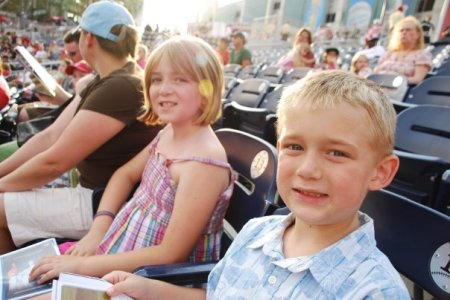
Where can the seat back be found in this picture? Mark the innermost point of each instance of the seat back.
(395, 86)
(230, 82)
(297, 74)
(255, 162)
(250, 92)
(434, 90)
(424, 129)
(415, 238)
(250, 71)
(231, 69)
(272, 73)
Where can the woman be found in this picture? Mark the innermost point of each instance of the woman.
(406, 54)
(97, 132)
(295, 58)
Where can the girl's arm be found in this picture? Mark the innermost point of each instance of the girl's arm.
(85, 133)
(117, 192)
(140, 288)
(199, 187)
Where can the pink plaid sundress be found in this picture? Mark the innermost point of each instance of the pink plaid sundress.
(143, 221)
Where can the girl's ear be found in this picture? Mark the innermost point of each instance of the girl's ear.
(384, 172)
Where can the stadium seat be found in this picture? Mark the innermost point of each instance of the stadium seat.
(230, 82)
(272, 73)
(255, 161)
(258, 121)
(296, 74)
(231, 69)
(395, 86)
(423, 146)
(434, 90)
(250, 92)
(250, 71)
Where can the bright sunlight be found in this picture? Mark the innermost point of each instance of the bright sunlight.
(173, 14)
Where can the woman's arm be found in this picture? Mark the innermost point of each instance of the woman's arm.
(420, 71)
(41, 141)
(199, 187)
(85, 133)
(117, 192)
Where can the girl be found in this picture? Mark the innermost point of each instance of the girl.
(183, 173)
(303, 56)
(360, 65)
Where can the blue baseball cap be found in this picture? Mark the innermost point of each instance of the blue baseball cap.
(100, 17)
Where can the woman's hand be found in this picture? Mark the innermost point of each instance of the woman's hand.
(50, 267)
(87, 245)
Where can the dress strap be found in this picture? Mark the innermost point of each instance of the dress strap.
(204, 160)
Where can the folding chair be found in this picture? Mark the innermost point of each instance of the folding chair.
(415, 238)
(258, 121)
(296, 74)
(423, 146)
(272, 73)
(230, 82)
(395, 86)
(434, 90)
(250, 71)
(231, 69)
(250, 92)
(255, 161)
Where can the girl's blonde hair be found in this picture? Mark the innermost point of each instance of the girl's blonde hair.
(394, 42)
(326, 89)
(355, 59)
(198, 59)
(300, 31)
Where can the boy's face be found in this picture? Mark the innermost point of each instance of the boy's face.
(326, 164)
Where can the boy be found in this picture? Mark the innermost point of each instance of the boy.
(335, 143)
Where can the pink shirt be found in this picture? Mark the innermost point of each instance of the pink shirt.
(403, 62)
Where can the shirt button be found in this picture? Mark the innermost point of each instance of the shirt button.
(272, 280)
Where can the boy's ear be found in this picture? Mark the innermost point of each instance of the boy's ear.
(385, 172)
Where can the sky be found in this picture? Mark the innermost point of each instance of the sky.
(172, 14)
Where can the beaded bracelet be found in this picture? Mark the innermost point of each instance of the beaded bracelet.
(104, 213)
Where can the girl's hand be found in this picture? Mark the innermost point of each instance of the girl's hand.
(134, 286)
(86, 246)
(50, 267)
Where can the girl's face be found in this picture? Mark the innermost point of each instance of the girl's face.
(361, 63)
(302, 38)
(175, 96)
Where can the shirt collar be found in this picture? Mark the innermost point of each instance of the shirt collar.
(348, 253)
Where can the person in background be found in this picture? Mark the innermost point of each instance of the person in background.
(427, 28)
(406, 54)
(181, 174)
(97, 133)
(285, 31)
(142, 56)
(296, 57)
(78, 70)
(325, 248)
(71, 47)
(394, 17)
(239, 54)
(372, 49)
(223, 51)
(330, 59)
(360, 65)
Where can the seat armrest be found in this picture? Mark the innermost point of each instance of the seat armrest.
(180, 274)
(400, 106)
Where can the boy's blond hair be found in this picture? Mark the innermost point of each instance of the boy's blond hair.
(326, 89)
(197, 59)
